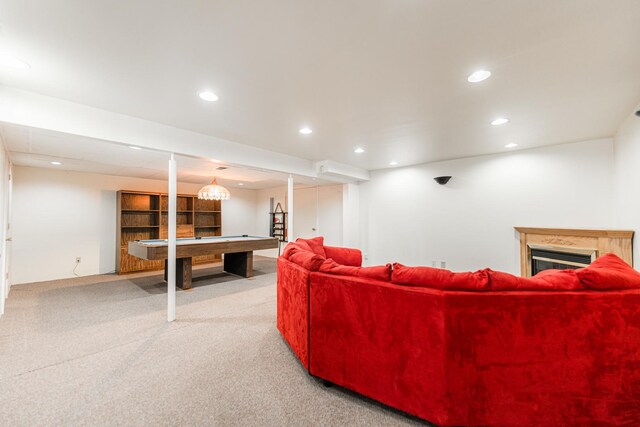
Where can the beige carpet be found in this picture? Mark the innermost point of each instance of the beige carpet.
(98, 351)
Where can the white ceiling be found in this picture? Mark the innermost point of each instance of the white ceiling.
(388, 75)
(38, 148)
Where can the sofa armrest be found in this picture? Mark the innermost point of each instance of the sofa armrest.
(293, 307)
(535, 358)
(344, 256)
(381, 340)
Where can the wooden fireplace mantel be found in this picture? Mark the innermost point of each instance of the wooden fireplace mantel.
(619, 242)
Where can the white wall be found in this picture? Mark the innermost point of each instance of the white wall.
(262, 213)
(59, 215)
(627, 180)
(351, 215)
(317, 207)
(400, 215)
(407, 217)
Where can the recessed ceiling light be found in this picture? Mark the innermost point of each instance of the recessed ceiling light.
(10, 61)
(56, 163)
(479, 76)
(305, 131)
(511, 145)
(208, 96)
(393, 163)
(133, 147)
(240, 183)
(500, 121)
(359, 150)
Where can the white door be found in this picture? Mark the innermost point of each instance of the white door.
(6, 270)
(318, 212)
(5, 231)
(305, 209)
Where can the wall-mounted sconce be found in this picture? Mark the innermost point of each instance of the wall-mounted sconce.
(442, 180)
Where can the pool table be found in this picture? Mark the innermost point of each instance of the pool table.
(237, 250)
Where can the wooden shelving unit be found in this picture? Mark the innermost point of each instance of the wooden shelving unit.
(278, 223)
(143, 216)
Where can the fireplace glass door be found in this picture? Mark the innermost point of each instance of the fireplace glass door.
(545, 259)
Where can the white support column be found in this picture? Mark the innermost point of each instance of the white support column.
(290, 237)
(171, 257)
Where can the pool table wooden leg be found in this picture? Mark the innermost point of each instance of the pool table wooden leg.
(240, 263)
(183, 272)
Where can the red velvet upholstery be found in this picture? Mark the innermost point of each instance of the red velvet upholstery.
(293, 294)
(609, 272)
(316, 244)
(548, 357)
(292, 248)
(378, 272)
(481, 358)
(439, 278)
(543, 358)
(293, 307)
(566, 280)
(344, 256)
(300, 253)
(307, 260)
(380, 340)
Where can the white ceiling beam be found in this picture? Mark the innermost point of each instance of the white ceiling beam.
(39, 111)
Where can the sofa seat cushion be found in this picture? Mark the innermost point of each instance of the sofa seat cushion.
(547, 280)
(316, 245)
(609, 272)
(378, 272)
(438, 278)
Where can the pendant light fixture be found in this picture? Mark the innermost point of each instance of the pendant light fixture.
(214, 191)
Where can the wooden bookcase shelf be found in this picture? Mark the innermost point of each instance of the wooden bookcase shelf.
(278, 221)
(142, 216)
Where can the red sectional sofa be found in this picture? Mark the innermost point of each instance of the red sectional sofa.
(482, 348)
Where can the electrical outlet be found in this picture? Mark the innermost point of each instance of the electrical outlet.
(443, 264)
(78, 259)
(433, 263)
(366, 256)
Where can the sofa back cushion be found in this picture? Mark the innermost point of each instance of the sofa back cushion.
(378, 272)
(292, 248)
(547, 280)
(300, 253)
(316, 245)
(438, 278)
(609, 272)
(306, 259)
(344, 256)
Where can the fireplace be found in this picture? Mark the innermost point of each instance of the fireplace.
(545, 248)
(544, 257)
